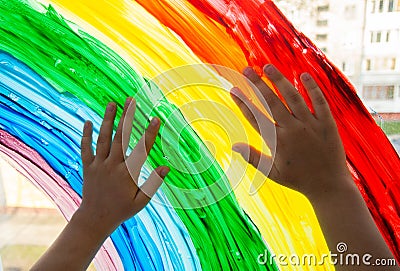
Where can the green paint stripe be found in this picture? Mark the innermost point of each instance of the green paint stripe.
(78, 64)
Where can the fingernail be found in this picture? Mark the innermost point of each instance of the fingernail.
(164, 172)
(87, 124)
(110, 107)
(247, 71)
(306, 77)
(269, 69)
(154, 121)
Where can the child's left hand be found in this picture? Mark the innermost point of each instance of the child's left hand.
(110, 189)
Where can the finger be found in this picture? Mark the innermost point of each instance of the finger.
(254, 157)
(291, 95)
(106, 129)
(263, 125)
(150, 187)
(318, 100)
(86, 144)
(139, 154)
(278, 110)
(127, 126)
(117, 151)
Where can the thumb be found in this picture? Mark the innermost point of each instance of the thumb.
(257, 159)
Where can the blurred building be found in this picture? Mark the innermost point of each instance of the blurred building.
(362, 38)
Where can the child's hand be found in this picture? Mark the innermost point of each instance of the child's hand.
(310, 159)
(110, 189)
(309, 154)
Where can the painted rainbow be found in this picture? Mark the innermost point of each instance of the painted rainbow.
(61, 61)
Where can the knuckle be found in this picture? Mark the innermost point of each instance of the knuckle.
(278, 79)
(106, 122)
(150, 136)
(295, 97)
(320, 100)
(85, 141)
(259, 84)
(270, 98)
(151, 131)
(102, 139)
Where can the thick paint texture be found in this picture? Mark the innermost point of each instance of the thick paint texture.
(29, 163)
(46, 120)
(83, 74)
(276, 216)
(207, 38)
(268, 37)
(76, 64)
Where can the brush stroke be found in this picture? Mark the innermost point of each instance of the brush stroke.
(266, 36)
(46, 120)
(31, 165)
(274, 209)
(94, 74)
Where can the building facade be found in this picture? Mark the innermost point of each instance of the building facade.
(362, 38)
(380, 75)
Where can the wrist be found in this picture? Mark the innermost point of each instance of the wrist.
(334, 190)
(91, 224)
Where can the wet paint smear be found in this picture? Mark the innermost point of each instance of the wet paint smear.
(80, 67)
(30, 164)
(157, 52)
(266, 36)
(45, 120)
(229, 33)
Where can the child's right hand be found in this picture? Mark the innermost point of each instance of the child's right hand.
(309, 156)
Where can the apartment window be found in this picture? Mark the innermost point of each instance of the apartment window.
(322, 22)
(348, 67)
(392, 64)
(373, 6)
(378, 92)
(384, 64)
(350, 12)
(390, 92)
(376, 36)
(368, 65)
(381, 64)
(388, 64)
(391, 6)
(322, 37)
(381, 36)
(381, 5)
(385, 5)
(323, 8)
